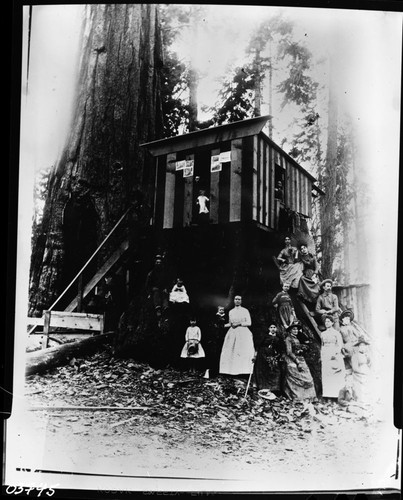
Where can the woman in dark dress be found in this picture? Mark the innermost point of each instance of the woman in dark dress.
(298, 382)
(308, 288)
(214, 341)
(289, 265)
(284, 307)
(268, 364)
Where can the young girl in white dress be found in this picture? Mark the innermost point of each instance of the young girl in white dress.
(193, 350)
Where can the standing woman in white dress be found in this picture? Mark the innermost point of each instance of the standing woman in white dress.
(238, 349)
(333, 370)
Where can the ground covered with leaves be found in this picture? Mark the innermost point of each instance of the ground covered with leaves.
(172, 421)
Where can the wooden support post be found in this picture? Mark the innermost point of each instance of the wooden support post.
(188, 197)
(235, 181)
(46, 328)
(80, 293)
(254, 176)
(169, 199)
(214, 191)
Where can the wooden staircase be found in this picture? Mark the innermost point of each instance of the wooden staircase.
(68, 317)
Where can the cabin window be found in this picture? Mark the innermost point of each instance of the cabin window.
(279, 183)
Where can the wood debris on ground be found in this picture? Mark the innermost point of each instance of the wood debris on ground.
(176, 401)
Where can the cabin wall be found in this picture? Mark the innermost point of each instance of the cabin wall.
(228, 190)
(297, 186)
(243, 190)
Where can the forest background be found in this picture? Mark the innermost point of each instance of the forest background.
(329, 78)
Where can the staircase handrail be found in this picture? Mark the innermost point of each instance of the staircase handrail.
(107, 237)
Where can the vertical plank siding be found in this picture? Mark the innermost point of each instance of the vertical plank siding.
(169, 198)
(179, 198)
(243, 190)
(224, 200)
(255, 181)
(214, 191)
(266, 157)
(247, 179)
(298, 189)
(160, 191)
(259, 180)
(304, 195)
(288, 191)
(272, 216)
(262, 182)
(187, 196)
(356, 297)
(235, 180)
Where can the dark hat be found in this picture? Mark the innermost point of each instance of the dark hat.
(293, 325)
(347, 312)
(361, 340)
(328, 280)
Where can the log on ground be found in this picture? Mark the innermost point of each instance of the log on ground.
(46, 359)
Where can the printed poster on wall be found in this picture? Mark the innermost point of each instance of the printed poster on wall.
(225, 156)
(188, 171)
(215, 165)
(180, 165)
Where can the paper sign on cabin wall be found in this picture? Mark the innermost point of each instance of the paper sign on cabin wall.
(225, 156)
(215, 165)
(180, 165)
(188, 171)
(190, 163)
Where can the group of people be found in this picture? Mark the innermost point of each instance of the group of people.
(345, 355)
(276, 363)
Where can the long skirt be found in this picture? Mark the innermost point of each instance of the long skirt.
(287, 314)
(298, 384)
(360, 378)
(237, 352)
(333, 372)
(308, 290)
(291, 273)
(267, 373)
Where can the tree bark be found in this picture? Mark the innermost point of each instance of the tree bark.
(116, 109)
(328, 201)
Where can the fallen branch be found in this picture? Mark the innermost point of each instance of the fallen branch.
(89, 408)
(123, 421)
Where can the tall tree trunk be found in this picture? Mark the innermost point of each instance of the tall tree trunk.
(270, 90)
(116, 109)
(258, 87)
(193, 112)
(359, 227)
(328, 201)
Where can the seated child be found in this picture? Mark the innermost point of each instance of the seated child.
(178, 293)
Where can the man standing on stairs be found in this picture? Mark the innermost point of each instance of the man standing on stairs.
(157, 287)
(328, 304)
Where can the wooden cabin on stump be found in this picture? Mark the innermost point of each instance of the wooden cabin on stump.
(246, 176)
(256, 195)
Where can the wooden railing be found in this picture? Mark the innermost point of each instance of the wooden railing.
(356, 297)
(83, 290)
